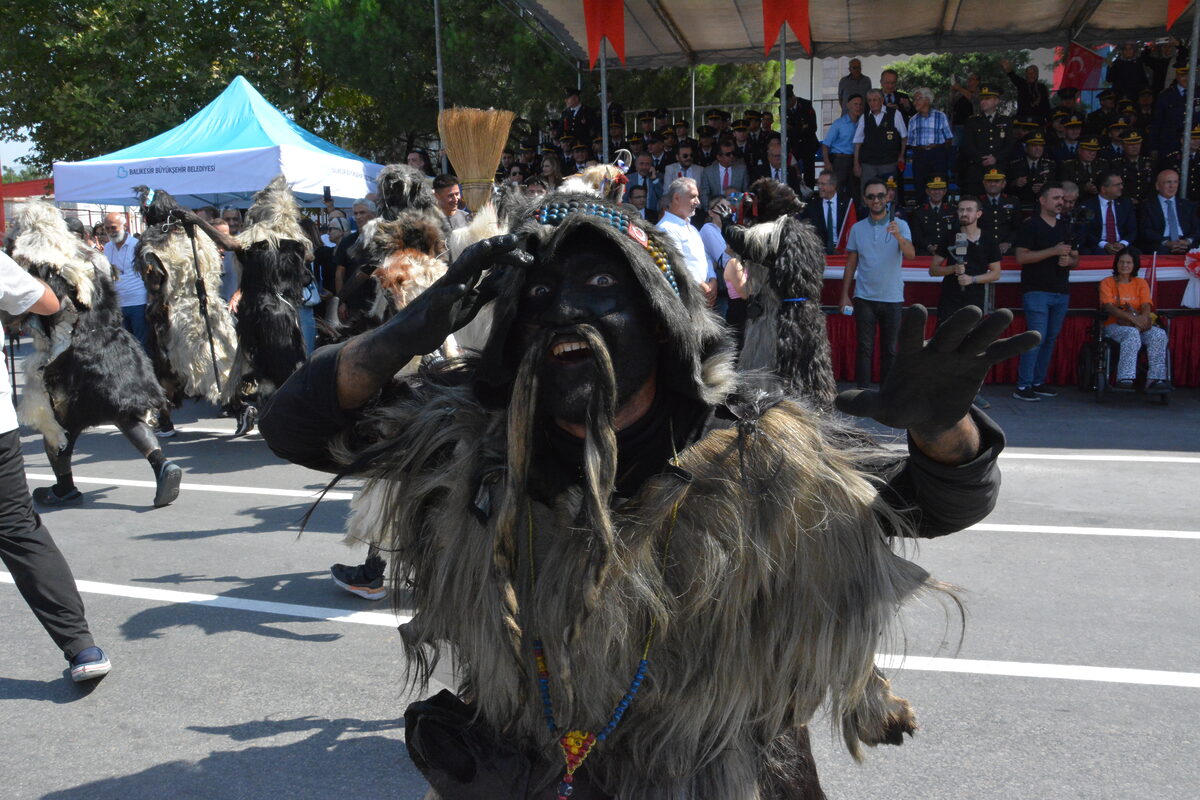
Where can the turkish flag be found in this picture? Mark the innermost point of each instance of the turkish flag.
(604, 19)
(847, 223)
(1082, 68)
(794, 13)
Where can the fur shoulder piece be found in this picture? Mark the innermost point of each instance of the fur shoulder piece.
(275, 217)
(484, 225)
(42, 238)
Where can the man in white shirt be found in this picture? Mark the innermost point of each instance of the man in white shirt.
(29, 554)
(681, 200)
(131, 289)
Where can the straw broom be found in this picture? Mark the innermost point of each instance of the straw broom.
(474, 139)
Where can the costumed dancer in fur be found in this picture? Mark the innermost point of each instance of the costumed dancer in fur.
(650, 572)
(786, 332)
(86, 369)
(274, 253)
(188, 323)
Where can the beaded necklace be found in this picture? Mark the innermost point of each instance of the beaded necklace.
(577, 745)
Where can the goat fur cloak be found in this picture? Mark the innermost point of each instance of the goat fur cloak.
(179, 338)
(776, 587)
(275, 254)
(86, 369)
(786, 332)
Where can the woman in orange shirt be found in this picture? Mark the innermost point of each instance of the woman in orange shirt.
(1126, 299)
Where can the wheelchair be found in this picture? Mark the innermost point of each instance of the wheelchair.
(1097, 366)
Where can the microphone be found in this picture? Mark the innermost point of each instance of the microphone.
(960, 253)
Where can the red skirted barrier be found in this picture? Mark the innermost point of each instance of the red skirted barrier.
(1167, 275)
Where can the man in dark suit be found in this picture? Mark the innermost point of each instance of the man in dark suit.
(772, 167)
(1112, 224)
(802, 132)
(577, 122)
(645, 175)
(827, 210)
(1167, 223)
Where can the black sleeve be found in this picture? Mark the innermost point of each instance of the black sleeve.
(941, 499)
(303, 416)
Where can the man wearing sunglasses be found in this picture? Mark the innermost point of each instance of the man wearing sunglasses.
(875, 251)
(722, 177)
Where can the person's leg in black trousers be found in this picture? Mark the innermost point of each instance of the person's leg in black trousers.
(889, 335)
(864, 329)
(34, 561)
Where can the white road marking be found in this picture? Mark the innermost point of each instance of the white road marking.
(1019, 669)
(310, 494)
(995, 527)
(237, 603)
(1118, 457)
(1016, 669)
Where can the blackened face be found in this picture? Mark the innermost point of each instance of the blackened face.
(591, 285)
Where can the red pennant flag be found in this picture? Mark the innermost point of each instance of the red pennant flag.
(1175, 9)
(1082, 68)
(794, 13)
(847, 223)
(605, 19)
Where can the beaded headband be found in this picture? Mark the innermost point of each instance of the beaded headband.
(555, 213)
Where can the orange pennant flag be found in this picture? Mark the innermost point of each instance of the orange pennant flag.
(794, 13)
(605, 19)
(1175, 9)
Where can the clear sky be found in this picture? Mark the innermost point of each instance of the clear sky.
(11, 151)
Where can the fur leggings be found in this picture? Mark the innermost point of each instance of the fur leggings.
(1130, 340)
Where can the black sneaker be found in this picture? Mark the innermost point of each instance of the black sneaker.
(364, 580)
(1042, 390)
(165, 429)
(167, 489)
(247, 418)
(48, 496)
(89, 664)
(1027, 394)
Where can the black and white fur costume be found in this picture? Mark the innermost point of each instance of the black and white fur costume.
(274, 257)
(86, 369)
(178, 333)
(785, 591)
(786, 331)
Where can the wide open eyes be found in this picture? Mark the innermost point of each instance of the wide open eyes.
(602, 279)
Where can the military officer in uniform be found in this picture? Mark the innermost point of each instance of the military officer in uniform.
(1115, 147)
(1098, 121)
(1135, 169)
(1083, 169)
(743, 150)
(1172, 161)
(1068, 148)
(935, 220)
(1001, 213)
(986, 141)
(577, 121)
(1029, 172)
(706, 148)
(1166, 128)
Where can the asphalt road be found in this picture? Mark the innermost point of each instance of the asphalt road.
(241, 671)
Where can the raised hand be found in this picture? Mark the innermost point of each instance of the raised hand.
(931, 385)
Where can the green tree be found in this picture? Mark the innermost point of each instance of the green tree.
(938, 72)
(23, 174)
(85, 78)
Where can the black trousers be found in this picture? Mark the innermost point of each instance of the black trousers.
(34, 561)
(868, 314)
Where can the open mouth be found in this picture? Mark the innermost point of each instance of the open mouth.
(569, 350)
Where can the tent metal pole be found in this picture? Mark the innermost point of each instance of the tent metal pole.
(692, 115)
(437, 49)
(1188, 121)
(604, 97)
(783, 103)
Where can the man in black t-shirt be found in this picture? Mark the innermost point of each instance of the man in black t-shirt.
(1046, 253)
(970, 261)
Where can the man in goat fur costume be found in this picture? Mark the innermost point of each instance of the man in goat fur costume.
(274, 253)
(86, 369)
(183, 335)
(785, 264)
(599, 497)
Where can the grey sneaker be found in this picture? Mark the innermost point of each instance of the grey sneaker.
(89, 664)
(169, 478)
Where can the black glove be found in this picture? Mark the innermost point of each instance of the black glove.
(931, 385)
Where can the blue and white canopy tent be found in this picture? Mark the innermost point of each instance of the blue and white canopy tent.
(221, 156)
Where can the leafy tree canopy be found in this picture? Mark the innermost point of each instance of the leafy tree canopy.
(939, 71)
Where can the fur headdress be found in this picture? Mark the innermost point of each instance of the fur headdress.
(699, 361)
(43, 239)
(402, 187)
(275, 217)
